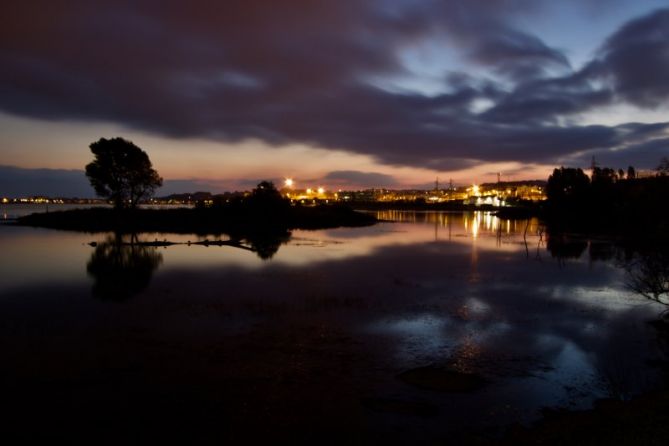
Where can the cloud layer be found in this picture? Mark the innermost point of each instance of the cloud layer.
(300, 73)
(17, 182)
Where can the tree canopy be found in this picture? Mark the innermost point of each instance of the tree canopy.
(265, 193)
(267, 200)
(566, 184)
(122, 172)
(663, 167)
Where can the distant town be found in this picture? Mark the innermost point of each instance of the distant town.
(497, 194)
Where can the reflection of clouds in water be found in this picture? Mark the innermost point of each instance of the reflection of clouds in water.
(613, 299)
(539, 346)
(571, 367)
(418, 337)
(476, 307)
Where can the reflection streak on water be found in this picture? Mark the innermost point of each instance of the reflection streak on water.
(473, 223)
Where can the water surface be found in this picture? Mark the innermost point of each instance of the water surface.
(311, 336)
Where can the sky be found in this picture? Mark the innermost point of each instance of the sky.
(339, 94)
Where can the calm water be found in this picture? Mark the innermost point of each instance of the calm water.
(311, 336)
(12, 211)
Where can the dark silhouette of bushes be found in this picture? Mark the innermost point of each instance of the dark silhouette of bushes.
(568, 187)
(607, 201)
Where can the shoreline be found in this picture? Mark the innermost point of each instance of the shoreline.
(198, 221)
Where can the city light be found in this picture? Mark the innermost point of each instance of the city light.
(486, 194)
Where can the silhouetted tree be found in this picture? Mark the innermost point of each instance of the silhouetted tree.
(122, 172)
(631, 173)
(266, 197)
(663, 168)
(567, 184)
(266, 192)
(603, 176)
(604, 202)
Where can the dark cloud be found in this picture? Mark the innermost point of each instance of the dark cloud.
(482, 30)
(646, 155)
(636, 59)
(517, 54)
(636, 132)
(297, 73)
(354, 178)
(545, 101)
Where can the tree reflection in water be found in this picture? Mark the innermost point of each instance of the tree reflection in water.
(122, 269)
(563, 247)
(265, 245)
(647, 267)
(648, 274)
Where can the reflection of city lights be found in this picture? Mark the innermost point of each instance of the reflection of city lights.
(288, 182)
(489, 222)
(475, 227)
(321, 190)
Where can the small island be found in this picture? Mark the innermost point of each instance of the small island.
(122, 172)
(231, 218)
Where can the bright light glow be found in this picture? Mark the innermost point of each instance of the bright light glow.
(309, 191)
(288, 182)
(476, 223)
(320, 190)
(475, 190)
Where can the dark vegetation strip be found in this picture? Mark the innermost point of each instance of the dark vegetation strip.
(199, 220)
